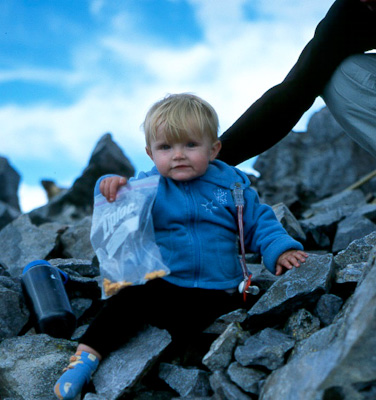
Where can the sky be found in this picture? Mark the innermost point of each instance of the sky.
(73, 70)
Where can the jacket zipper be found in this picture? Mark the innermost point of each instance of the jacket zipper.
(193, 230)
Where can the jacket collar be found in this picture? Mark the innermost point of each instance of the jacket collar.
(221, 174)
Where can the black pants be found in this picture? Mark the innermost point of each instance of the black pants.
(184, 312)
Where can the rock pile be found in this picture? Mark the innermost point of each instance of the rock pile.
(308, 166)
(309, 335)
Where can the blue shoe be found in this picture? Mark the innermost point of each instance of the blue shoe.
(76, 375)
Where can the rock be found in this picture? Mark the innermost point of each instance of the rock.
(319, 318)
(4, 270)
(80, 306)
(328, 307)
(83, 267)
(351, 273)
(320, 229)
(51, 188)
(305, 167)
(22, 242)
(248, 379)
(163, 395)
(80, 286)
(302, 324)
(127, 365)
(181, 398)
(350, 229)
(7, 214)
(344, 203)
(335, 359)
(221, 351)
(366, 211)
(93, 396)
(252, 258)
(79, 332)
(76, 240)
(267, 349)
(297, 288)
(224, 389)
(186, 382)
(261, 277)
(178, 398)
(13, 313)
(329, 220)
(30, 366)
(9, 182)
(222, 323)
(10, 283)
(235, 316)
(357, 251)
(59, 209)
(289, 222)
(106, 158)
(316, 342)
(77, 202)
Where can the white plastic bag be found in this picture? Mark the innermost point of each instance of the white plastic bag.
(123, 238)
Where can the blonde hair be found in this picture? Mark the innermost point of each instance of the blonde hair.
(182, 115)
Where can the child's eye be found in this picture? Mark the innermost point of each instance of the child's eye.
(192, 144)
(164, 147)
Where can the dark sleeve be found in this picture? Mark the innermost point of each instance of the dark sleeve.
(348, 28)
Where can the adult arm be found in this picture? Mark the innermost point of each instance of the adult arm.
(349, 27)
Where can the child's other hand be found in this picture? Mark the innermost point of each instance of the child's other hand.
(110, 186)
(290, 259)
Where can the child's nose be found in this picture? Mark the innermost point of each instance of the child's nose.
(178, 153)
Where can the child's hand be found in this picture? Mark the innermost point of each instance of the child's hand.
(110, 186)
(290, 259)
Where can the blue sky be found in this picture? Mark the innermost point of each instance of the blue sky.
(72, 70)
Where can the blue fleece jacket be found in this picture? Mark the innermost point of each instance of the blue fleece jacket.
(196, 230)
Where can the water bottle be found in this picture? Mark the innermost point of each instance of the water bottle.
(47, 299)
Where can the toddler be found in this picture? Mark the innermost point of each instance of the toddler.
(195, 226)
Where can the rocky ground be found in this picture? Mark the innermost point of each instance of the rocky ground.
(309, 335)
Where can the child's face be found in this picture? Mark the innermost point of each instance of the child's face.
(182, 160)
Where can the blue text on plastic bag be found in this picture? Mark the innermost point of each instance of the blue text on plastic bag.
(123, 237)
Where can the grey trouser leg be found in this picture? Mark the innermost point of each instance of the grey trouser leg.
(351, 97)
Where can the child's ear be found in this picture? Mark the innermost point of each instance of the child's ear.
(216, 147)
(148, 152)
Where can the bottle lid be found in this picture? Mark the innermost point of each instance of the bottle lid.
(32, 264)
(35, 263)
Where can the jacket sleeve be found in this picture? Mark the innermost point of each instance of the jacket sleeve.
(263, 233)
(349, 27)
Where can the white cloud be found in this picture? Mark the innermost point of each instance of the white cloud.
(42, 75)
(31, 197)
(119, 75)
(296, 11)
(96, 6)
(45, 131)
